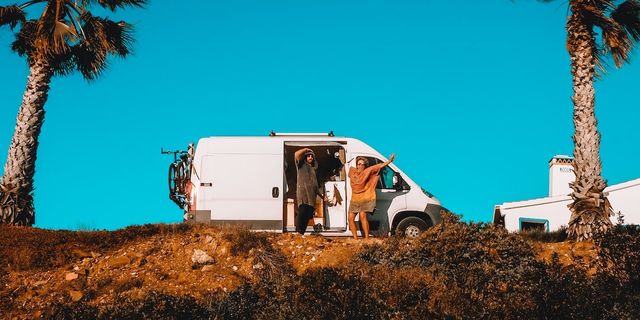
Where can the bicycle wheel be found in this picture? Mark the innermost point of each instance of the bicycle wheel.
(181, 178)
(172, 181)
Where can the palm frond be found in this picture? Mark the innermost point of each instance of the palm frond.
(627, 14)
(54, 35)
(11, 15)
(25, 38)
(615, 40)
(62, 63)
(115, 4)
(120, 36)
(593, 15)
(91, 54)
(601, 64)
(69, 37)
(602, 5)
(114, 37)
(89, 60)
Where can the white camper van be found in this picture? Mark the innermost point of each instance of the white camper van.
(252, 181)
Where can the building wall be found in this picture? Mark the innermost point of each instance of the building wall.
(555, 210)
(560, 174)
(625, 200)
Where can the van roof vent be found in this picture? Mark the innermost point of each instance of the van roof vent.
(310, 134)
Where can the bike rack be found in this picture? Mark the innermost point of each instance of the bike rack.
(177, 186)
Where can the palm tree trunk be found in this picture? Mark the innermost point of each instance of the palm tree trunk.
(16, 188)
(590, 210)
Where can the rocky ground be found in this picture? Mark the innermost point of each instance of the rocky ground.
(42, 268)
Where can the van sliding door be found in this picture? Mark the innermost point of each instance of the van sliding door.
(331, 212)
(244, 189)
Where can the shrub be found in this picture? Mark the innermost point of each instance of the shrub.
(544, 236)
(620, 253)
(242, 240)
(486, 270)
(332, 293)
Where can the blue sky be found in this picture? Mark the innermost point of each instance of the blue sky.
(472, 96)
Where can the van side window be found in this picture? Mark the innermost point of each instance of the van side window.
(385, 180)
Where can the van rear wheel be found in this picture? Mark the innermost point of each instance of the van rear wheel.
(412, 227)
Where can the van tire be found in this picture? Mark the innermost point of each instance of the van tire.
(412, 227)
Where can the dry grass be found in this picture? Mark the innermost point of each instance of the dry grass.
(455, 270)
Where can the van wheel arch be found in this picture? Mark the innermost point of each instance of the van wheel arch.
(403, 218)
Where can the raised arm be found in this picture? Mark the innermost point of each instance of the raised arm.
(391, 158)
(298, 154)
(379, 166)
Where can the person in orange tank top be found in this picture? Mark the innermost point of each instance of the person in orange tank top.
(363, 181)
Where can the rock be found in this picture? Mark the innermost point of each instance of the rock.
(28, 295)
(207, 268)
(81, 253)
(201, 257)
(75, 295)
(71, 276)
(258, 266)
(235, 268)
(134, 255)
(39, 283)
(118, 262)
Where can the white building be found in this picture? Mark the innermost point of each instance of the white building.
(552, 212)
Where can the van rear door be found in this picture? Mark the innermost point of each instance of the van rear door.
(244, 188)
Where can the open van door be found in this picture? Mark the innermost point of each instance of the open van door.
(244, 189)
(331, 211)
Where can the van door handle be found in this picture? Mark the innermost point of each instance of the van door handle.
(275, 192)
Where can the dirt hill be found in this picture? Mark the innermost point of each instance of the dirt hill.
(43, 269)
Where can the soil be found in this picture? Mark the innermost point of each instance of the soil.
(46, 267)
(42, 268)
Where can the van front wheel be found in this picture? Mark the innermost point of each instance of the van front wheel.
(412, 227)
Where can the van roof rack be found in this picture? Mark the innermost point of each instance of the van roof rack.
(311, 134)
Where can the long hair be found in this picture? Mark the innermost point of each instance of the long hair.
(364, 159)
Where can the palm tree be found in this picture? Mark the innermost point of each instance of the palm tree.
(619, 24)
(64, 37)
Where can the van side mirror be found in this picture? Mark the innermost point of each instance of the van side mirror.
(398, 182)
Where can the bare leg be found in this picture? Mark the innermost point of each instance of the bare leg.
(352, 225)
(364, 222)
